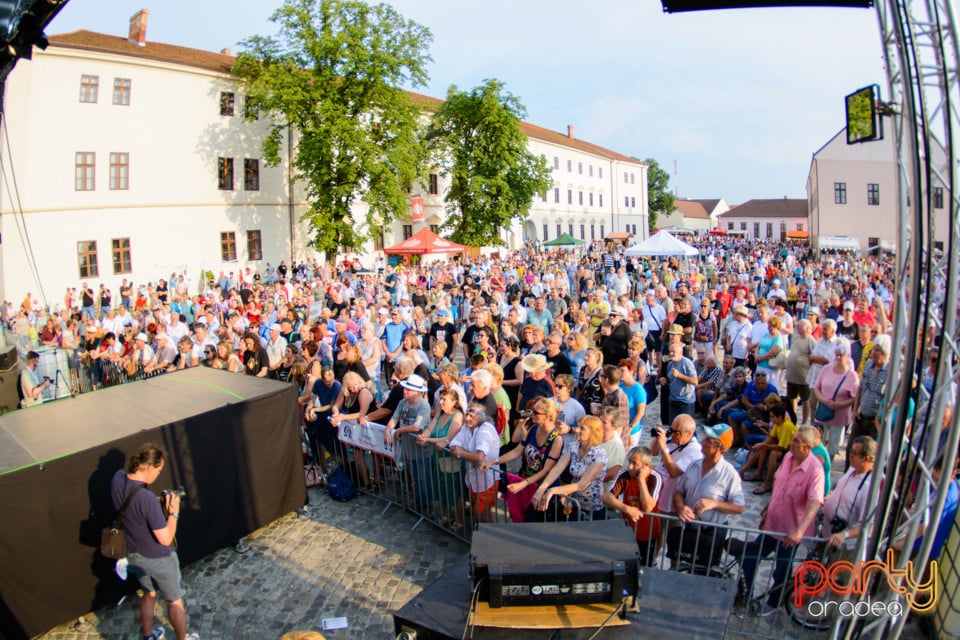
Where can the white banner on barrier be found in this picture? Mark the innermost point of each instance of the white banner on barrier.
(368, 435)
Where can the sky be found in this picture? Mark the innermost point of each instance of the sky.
(737, 100)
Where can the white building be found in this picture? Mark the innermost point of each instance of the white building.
(853, 192)
(774, 219)
(129, 159)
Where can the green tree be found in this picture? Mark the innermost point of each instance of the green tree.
(658, 192)
(332, 75)
(476, 139)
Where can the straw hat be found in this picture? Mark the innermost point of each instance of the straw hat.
(535, 362)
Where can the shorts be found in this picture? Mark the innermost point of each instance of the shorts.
(484, 500)
(158, 574)
(795, 390)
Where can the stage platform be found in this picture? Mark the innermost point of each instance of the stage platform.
(672, 606)
(232, 440)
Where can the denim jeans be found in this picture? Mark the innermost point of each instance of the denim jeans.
(749, 554)
(678, 408)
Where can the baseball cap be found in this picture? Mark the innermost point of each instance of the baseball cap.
(721, 432)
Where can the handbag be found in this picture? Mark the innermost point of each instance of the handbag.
(448, 464)
(313, 475)
(113, 542)
(825, 413)
(779, 361)
(517, 503)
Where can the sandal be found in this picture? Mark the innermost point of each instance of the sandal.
(762, 489)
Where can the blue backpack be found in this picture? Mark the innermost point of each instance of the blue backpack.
(341, 487)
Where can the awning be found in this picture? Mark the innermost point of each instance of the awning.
(422, 242)
(717, 231)
(798, 233)
(618, 235)
(842, 243)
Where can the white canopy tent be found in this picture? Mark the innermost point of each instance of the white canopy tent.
(661, 244)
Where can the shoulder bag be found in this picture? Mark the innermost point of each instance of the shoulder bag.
(825, 413)
(113, 542)
(779, 361)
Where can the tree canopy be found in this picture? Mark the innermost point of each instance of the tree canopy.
(658, 192)
(332, 75)
(476, 139)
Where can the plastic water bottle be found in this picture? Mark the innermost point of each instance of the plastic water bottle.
(742, 457)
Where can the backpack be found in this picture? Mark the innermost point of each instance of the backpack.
(341, 487)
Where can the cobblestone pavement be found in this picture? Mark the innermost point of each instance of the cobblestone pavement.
(349, 560)
(340, 560)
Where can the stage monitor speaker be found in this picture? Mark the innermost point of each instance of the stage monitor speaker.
(9, 398)
(554, 563)
(8, 358)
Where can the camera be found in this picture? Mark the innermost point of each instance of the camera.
(838, 524)
(180, 492)
(654, 432)
(48, 379)
(525, 414)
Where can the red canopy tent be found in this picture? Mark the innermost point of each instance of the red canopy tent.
(717, 231)
(424, 241)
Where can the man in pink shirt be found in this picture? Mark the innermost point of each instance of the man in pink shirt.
(796, 499)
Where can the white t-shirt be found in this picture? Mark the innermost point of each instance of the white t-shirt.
(484, 438)
(683, 457)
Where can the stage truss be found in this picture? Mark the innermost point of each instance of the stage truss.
(920, 48)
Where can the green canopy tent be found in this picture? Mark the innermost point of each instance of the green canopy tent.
(564, 240)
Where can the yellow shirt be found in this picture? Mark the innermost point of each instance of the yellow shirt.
(601, 307)
(784, 432)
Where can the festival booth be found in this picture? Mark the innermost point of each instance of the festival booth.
(838, 243)
(564, 241)
(424, 242)
(662, 244)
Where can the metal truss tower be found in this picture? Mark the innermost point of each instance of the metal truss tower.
(922, 422)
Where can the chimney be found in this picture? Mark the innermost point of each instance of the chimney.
(570, 131)
(226, 51)
(138, 28)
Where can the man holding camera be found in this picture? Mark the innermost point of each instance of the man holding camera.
(149, 529)
(683, 450)
(31, 385)
(846, 507)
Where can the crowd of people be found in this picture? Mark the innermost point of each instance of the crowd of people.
(549, 359)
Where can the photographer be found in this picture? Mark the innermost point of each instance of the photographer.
(846, 507)
(149, 536)
(31, 385)
(676, 457)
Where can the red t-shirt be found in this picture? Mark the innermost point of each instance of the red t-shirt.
(647, 528)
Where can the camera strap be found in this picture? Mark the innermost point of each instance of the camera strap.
(123, 509)
(853, 504)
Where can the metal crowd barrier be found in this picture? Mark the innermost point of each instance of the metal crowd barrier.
(428, 482)
(431, 484)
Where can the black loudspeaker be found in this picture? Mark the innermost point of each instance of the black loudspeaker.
(9, 399)
(560, 563)
(8, 358)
